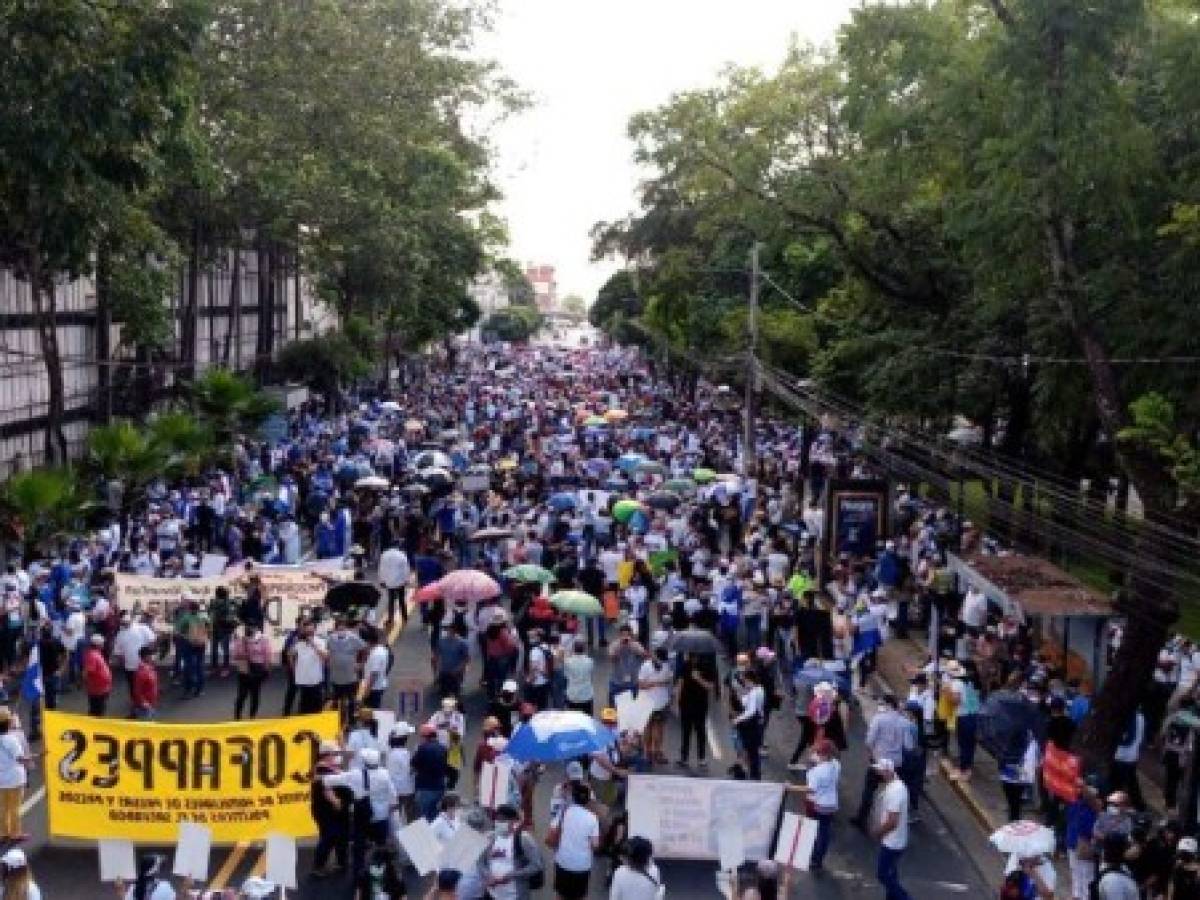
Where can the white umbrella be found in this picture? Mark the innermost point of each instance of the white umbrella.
(374, 482)
(390, 406)
(1024, 838)
(432, 459)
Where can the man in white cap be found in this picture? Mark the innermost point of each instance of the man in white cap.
(375, 799)
(890, 827)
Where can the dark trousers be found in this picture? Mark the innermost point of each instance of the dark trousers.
(289, 695)
(824, 838)
(538, 695)
(1174, 777)
(870, 785)
(312, 698)
(331, 838)
(751, 734)
(248, 689)
(965, 728)
(97, 704)
(887, 871)
(396, 603)
(692, 723)
(808, 731)
(1014, 792)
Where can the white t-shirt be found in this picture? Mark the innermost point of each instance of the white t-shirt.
(579, 828)
(399, 766)
(375, 670)
(660, 677)
(502, 861)
(12, 772)
(162, 891)
(538, 665)
(309, 667)
(894, 799)
(630, 884)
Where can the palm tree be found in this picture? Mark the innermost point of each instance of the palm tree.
(41, 506)
(229, 404)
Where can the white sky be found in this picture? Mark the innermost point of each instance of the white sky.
(590, 64)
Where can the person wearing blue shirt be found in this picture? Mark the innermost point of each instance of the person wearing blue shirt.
(1081, 822)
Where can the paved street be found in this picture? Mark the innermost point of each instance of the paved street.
(937, 865)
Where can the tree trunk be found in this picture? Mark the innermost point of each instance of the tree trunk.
(45, 309)
(104, 360)
(191, 311)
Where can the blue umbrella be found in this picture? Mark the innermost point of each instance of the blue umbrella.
(599, 466)
(630, 461)
(638, 523)
(616, 484)
(560, 502)
(558, 735)
(643, 433)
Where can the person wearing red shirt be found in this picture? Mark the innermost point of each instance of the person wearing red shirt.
(145, 685)
(97, 676)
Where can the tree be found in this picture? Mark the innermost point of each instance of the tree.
(88, 102)
(228, 405)
(515, 324)
(40, 507)
(575, 307)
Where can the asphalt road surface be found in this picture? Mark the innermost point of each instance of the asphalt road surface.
(937, 865)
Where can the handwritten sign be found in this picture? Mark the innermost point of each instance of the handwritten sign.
(683, 816)
(797, 836)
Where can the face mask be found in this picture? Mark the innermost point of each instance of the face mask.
(1114, 810)
(377, 871)
(503, 829)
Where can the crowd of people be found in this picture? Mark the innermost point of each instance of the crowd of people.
(586, 471)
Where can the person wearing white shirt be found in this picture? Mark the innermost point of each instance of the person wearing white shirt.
(821, 788)
(399, 768)
(308, 658)
(447, 823)
(371, 783)
(638, 877)
(579, 838)
(394, 573)
(375, 671)
(891, 827)
(749, 722)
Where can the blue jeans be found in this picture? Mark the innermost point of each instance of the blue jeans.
(965, 727)
(824, 837)
(427, 803)
(193, 668)
(889, 877)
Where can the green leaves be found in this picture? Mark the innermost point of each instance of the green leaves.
(514, 323)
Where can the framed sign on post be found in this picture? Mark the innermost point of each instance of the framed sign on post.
(856, 516)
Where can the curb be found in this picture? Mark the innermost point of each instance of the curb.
(967, 796)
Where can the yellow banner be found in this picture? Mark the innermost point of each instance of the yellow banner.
(113, 778)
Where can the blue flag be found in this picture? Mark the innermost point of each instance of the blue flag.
(32, 688)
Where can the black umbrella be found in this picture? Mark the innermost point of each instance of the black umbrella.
(694, 640)
(663, 500)
(350, 594)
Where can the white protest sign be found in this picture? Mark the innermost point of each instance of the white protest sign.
(683, 816)
(116, 860)
(192, 851)
(463, 850)
(422, 847)
(796, 838)
(213, 565)
(493, 784)
(281, 860)
(731, 849)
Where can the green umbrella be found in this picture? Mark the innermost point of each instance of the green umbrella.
(528, 572)
(595, 421)
(623, 510)
(651, 467)
(578, 603)
(679, 485)
(703, 476)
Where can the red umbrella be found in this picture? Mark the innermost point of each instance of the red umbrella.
(470, 585)
(429, 593)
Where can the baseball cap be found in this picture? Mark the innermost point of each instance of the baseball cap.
(509, 686)
(1185, 845)
(884, 765)
(14, 859)
(326, 747)
(574, 771)
(402, 729)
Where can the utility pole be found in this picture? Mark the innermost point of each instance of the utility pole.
(749, 451)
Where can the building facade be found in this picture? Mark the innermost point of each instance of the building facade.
(220, 312)
(545, 287)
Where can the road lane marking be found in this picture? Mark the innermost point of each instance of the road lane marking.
(34, 799)
(231, 863)
(714, 746)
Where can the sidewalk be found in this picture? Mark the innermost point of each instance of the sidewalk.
(982, 795)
